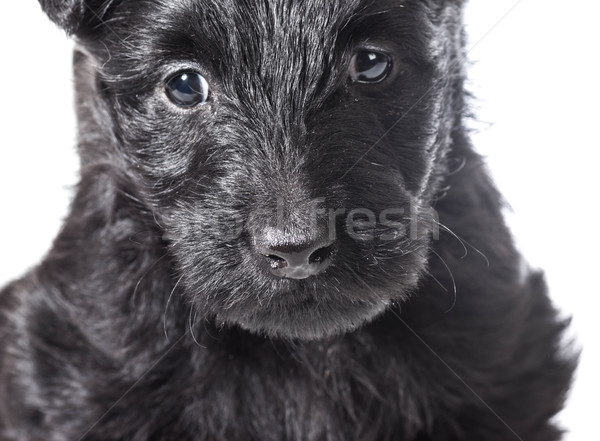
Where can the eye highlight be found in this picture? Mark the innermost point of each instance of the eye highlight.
(187, 89)
(370, 66)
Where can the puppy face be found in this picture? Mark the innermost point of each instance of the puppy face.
(289, 150)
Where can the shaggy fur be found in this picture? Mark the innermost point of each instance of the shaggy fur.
(155, 316)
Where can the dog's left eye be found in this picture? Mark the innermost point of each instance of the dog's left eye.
(187, 89)
(369, 66)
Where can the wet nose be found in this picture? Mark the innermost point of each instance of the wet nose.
(298, 258)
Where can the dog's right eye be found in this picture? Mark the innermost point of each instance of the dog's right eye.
(370, 66)
(187, 89)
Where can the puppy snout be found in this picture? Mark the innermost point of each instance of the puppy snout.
(296, 257)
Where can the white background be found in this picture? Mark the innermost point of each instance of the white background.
(535, 76)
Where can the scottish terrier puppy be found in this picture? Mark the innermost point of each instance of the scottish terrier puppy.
(281, 232)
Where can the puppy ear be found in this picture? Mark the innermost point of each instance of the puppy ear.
(75, 16)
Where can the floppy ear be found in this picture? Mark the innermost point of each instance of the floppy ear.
(75, 16)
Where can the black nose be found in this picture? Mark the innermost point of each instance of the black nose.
(297, 259)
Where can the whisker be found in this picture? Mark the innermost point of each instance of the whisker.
(167, 307)
(463, 242)
(191, 324)
(146, 272)
(454, 290)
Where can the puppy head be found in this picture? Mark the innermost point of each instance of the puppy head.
(289, 150)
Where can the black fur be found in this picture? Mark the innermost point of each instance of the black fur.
(155, 318)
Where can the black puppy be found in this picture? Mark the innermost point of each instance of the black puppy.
(281, 233)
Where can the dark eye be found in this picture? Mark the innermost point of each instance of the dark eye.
(369, 66)
(187, 89)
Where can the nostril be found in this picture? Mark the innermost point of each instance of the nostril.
(276, 262)
(296, 259)
(320, 255)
